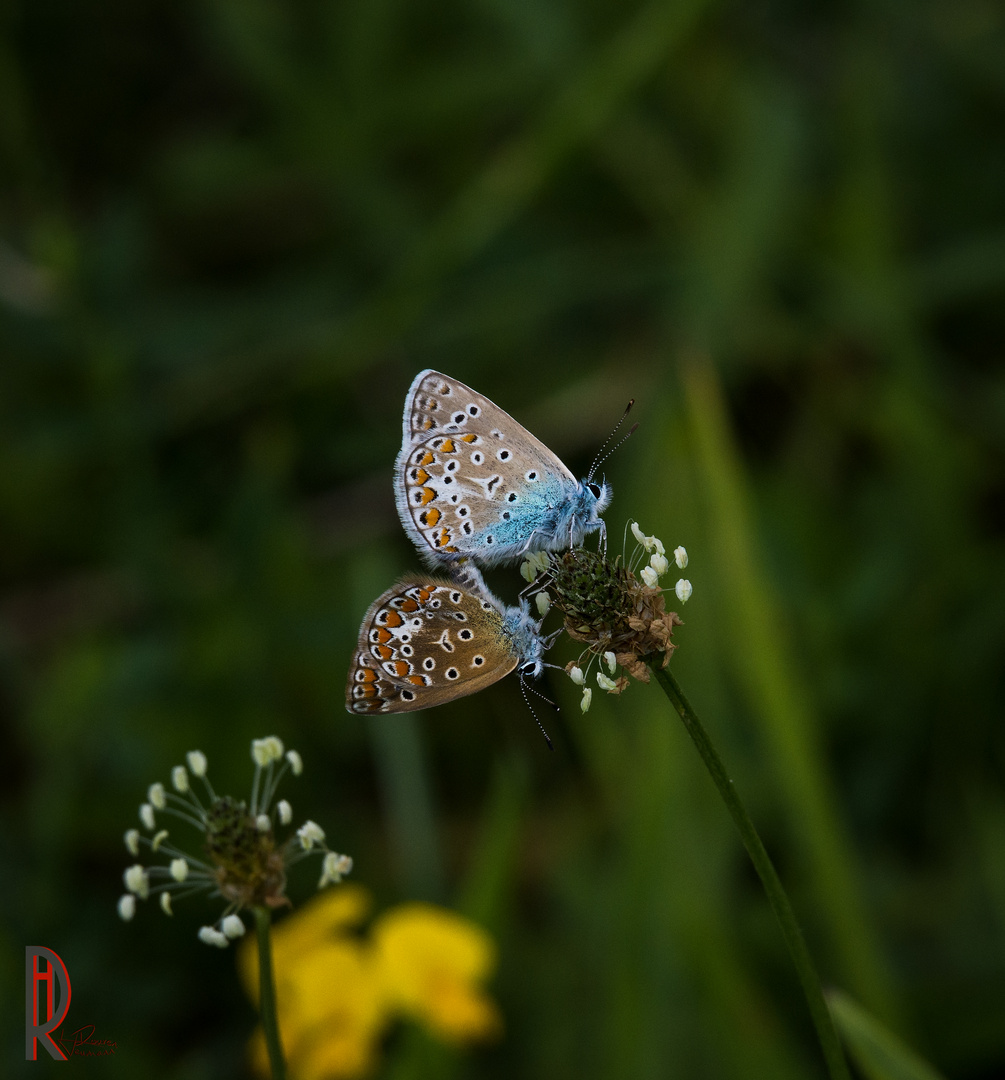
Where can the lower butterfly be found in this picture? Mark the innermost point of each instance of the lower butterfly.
(426, 641)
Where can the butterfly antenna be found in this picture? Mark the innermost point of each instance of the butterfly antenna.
(526, 700)
(601, 456)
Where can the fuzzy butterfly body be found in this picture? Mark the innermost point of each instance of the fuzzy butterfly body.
(472, 483)
(427, 641)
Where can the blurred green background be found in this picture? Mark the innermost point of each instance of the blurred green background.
(232, 231)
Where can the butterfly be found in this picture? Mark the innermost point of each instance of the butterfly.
(472, 483)
(426, 641)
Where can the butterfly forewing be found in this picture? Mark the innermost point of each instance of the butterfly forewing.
(471, 481)
(425, 642)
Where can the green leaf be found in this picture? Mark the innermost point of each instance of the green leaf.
(875, 1050)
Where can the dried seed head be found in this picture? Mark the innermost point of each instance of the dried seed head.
(610, 610)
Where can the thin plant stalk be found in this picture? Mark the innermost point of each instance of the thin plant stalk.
(267, 993)
(826, 1032)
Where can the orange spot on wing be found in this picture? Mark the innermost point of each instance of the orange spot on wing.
(393, 619)
(468, 438)
(421, 476)
(427, 459)
(427, 496)
(427, 424)
(408, 605)
(385, 652)
(424, 594)
(450, 549)
(369, 675)
(384, 635)
(417, 680)
(447, 446)
(369, 691)
(402, 667)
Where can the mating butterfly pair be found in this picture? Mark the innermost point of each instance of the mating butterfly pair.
(472, 486)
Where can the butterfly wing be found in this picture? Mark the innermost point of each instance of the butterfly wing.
(424, 642)
(472, 482)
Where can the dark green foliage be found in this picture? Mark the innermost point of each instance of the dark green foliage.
(232, 231)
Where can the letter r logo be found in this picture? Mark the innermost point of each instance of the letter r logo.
(56, 972)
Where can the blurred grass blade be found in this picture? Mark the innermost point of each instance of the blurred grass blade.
(875, 1050)
(586, 103)
(768, 679)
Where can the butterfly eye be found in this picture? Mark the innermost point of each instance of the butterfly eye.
(595, 490)
(452, 673)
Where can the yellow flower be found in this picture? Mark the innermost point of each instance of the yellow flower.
(331, 1004)
(432, 962)
(336, 992)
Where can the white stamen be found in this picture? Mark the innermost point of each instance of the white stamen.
(285, 812)
(179, 778)
(232, 925)
(127, 906)
(147, 816)
(296, 762)
(132, 839)
(155, 796)
(196, 762)
(179, 869)
(166, 903)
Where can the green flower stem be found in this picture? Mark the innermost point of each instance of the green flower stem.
(267, 993)
(826, 1032)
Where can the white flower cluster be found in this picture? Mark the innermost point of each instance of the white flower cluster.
(659, 564)
(198, 874)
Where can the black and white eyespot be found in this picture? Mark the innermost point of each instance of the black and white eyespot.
(360, 674)
(448, 479)
(452, 673)
(445, 389)
(467, 528)
(486, 606)
(595, 490)
(490, 539)
(496, 434)
(463, 511)
(460, 418)
(446, 644)
(429, 664)
(453, 466)
(404, 636)
(456, 597)
(492, 483)
(533, 476)
(454, 498)
(417, 497)
(512, 497)
(473, 410)
(416, 622)
(434, 603)
(465, 635)
(477, 661)
(477, 458)
(506, 515)
(407, 695)
(460, 616)
(407, 650)
(504, 455)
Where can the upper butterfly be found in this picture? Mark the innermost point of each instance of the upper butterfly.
(470, 482)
